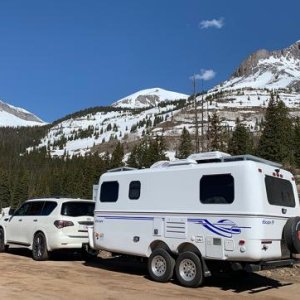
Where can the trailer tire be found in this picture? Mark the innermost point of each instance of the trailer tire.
(291, 234)
(161, 265)
(189, 270)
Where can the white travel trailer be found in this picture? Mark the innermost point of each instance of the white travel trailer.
(193, 216)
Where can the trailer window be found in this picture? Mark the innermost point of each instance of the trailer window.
(279, 191)
(217, 189)
(134, 190)
(109, 191)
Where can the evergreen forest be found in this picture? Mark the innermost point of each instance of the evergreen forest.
(29, 174)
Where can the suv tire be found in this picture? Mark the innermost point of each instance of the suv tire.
(39, 247)
(3, 247)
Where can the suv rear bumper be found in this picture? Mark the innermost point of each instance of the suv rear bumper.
(62, 241)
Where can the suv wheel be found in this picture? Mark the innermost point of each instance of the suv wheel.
(3, 247)
(39, 247)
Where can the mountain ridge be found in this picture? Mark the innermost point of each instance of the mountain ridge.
(15, 116)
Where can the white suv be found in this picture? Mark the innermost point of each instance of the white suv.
(43, 225)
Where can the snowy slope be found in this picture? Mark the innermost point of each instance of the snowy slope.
(148, 98)
(76, 136)
(245, 95)
(15, 116)
(272, 70)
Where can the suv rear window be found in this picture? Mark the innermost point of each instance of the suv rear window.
(77, 209)
(279, 191)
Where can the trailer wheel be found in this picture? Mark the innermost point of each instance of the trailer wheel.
(161, 265)
(189, 270)
(291, 234)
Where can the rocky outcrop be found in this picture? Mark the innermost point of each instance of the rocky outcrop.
(249, 65)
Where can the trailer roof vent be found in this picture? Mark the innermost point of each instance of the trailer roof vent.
(122, 169)
(214, 156)
(179, 162)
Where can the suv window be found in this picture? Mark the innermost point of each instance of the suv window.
(134, 190)
(109, 191)
(77, 209)
(22, 211)
(217, 189)
(279, 191)
(35, 208)
(48, 208)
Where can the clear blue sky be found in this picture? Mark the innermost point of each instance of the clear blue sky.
(60, 56)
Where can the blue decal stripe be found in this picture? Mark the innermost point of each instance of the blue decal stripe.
(224, 227)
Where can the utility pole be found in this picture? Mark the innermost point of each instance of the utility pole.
(197, 150)
(202, 121)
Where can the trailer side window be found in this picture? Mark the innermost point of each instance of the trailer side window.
(217, 189)
(279, 191)
(134, 190)
(109, 191)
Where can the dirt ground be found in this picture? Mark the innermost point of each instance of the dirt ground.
(69, 277)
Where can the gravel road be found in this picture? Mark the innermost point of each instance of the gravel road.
(68, 277)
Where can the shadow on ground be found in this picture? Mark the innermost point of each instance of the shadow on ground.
(55, 256)
(251, 283)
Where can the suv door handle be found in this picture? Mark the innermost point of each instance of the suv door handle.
(35, 220)
(20, 220)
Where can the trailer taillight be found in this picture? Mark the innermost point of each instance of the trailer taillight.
(241, 242)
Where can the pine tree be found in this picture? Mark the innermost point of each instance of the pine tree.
(296, 144)
(117, 156)
(241, 141)
(147, 152)
(276, 139)
(4, 189)
(216, 134)
(185, 148)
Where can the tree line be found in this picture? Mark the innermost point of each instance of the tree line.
(25, 175)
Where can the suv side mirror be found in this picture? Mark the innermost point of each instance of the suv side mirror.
(11, 211)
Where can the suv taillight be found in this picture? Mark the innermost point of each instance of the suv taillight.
(62, 223)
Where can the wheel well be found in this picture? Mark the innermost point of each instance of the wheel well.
(158, 244)
(188, 247)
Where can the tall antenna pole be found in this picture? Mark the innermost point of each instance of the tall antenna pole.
(196, 117)
(202, 121)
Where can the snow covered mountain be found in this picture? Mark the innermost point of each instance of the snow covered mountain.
(245, 95)
(12, 116)
(148, 98)
(278, 69)
(15, 116)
